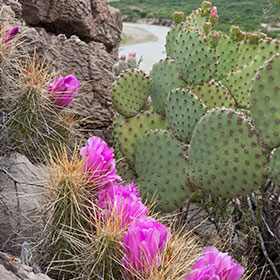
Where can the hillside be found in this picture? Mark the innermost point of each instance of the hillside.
(248, 14)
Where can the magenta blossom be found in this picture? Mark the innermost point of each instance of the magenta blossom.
(215, 265)
(99, 162)
(63, 90)
(10, 34)
(121, 204)
(214, 16)
(143, 242)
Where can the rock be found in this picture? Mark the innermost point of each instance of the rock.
(90, 20)
(21, 201)
(74, 36)
(12, 269)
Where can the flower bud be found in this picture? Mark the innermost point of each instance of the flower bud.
(214, 16)
(10, 34)
(178, 17)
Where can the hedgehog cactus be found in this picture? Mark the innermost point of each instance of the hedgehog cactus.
(220, 94)
(37, 119)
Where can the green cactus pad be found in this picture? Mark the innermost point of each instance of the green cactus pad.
(264, 101)
(170, 38)
(196, 61)
(226, 157)
(183, 110)
(247, 52)
(161, 165)
(164, 77)
(130, 92)
(274, 167)
(214, 95)
(229, 51)
(132, 129)
(115, 132)
(196, 20)
(239, 82)
(126, 173)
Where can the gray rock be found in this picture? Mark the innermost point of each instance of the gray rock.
(21, 200)
(12, 269)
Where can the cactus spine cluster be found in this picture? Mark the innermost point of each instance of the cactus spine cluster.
(220, 95)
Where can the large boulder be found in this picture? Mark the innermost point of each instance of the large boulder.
(75, 36)
(22, 196)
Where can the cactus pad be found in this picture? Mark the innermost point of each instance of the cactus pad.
(183, 110)
(214, 95)
(170, 38)
(239, 82)
(161, 165)
(247, 52)
(196, 61)
(226, 157)
(228, 51)
(126, 173)
(164, 77)
(274, 167)
(130, 92)
(132, 129)
(115, 132)
(196, 19)
(264, 101)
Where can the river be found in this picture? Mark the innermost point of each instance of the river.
(151, 51)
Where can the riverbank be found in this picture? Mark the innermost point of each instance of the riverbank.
(150, 41)
(134, 35)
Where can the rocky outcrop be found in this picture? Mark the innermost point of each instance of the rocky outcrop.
(90, 20)
(22, 196)
(75, 36)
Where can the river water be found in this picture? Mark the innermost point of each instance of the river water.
(152, 51)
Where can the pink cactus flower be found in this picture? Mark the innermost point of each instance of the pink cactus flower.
(132, 54)
(100, 163)
(123, 57)
(215, 265)
(214, 16)
(10, 34)
(63, 90)
(121, 204)
(144, 240)
(214, 12)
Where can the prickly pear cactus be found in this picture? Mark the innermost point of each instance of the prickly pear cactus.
(226, 154)
(229, 52)
(130, 92)
(164, 78)
(183, 110)
(247, 51)
(117, 121)
(196, 61)
(264, 100)
(170, 38)
(274, 167)
(196, 19)
(132, 129)
(161, 165)
(239, 81)
(214, 95)
(126, 173)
